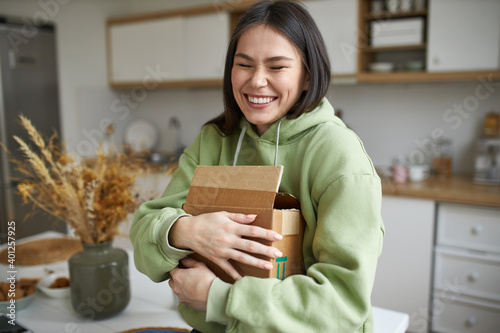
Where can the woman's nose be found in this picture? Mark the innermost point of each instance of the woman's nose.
(259, 77)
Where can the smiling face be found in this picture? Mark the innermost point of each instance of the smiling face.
(268, 76)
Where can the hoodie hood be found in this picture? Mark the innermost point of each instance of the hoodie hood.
(291, 128)
(285, 130)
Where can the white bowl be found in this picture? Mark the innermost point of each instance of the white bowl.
(46, 281)
(381, 66)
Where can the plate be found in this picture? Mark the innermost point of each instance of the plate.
(141, 136)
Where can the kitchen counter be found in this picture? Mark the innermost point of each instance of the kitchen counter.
(456, 189)
(152, 304)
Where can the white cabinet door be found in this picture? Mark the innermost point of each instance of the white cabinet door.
(141, 47)
(206, 41)
(337, 21)
(463, 35)
(403, 280)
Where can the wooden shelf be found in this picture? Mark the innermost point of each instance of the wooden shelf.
(394, 48)
(388, 15)
(170, 84)
(408, 77)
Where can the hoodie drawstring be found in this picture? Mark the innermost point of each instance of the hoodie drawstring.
(240, 140)
(277, 142)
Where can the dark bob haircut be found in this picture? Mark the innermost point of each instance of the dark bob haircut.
(292, 20)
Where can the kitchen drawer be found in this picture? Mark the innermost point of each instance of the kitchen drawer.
(470, 227)
(466, 273)
(460, 315)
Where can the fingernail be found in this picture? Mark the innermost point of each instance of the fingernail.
(252, 216)
(278, 254)
(278, 237)
(268, 266)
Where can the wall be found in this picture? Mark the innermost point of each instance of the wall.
(390, 118)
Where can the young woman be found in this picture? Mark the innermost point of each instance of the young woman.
(276, 76)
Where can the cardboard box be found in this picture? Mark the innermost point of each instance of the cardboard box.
(399, 32)
(251, 190)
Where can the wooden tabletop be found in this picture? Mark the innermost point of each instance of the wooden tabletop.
(456, 189)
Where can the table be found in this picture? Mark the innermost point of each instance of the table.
(152, 304)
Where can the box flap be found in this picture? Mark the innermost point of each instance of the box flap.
(234, 186)
(213, 196)
(257, 178)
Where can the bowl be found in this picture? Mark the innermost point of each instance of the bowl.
(55, 292)
(414, 66)
(381, 66)
(21, 303)
(24, 287)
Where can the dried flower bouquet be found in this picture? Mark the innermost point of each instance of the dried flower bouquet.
(93, 198)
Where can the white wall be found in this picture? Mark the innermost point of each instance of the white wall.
(391, 119)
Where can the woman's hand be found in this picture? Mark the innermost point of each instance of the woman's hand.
(219, 237)
(192, 283)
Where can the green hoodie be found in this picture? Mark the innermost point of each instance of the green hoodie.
(328, 170)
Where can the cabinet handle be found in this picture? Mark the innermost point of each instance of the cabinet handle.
(476, 230)
(471, 321)
(473, 277)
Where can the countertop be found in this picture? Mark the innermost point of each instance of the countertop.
(152, 304)
(456, 189)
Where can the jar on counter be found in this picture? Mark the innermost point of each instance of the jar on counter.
(491, 126)
(442, 161)
(399, 169)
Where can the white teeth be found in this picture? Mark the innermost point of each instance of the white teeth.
(260, 100)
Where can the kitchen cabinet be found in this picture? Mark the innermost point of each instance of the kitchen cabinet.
(136, 48)
(461, 41)
(178, 50)
(336, 19)
(463, 35)
(206, 39)
(466, 291)
(404, 270)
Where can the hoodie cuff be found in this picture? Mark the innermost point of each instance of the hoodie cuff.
(173, 252)
(217, 302)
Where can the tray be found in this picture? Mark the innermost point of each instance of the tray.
(42, 251)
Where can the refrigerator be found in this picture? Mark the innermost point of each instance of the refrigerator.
(28, 86)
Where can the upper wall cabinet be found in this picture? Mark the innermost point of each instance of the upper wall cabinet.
(178, 50)
(464, 35)
(337, 21)
(206, 41)
(136, 48)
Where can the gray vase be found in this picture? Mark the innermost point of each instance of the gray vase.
(99, 281)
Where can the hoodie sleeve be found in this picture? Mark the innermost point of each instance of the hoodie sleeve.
(153, 255)
(334, 296)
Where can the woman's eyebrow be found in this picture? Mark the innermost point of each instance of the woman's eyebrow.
(271, 59)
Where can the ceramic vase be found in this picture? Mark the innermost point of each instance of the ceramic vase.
(99, 276)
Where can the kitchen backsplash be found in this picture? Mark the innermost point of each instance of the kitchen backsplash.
(390, 119)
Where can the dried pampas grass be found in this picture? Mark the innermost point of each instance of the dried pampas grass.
(93, 198)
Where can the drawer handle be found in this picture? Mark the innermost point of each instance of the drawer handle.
(471, 321)
(476, 230)
(474, 276)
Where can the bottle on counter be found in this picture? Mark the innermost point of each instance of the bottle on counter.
(442, 161)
